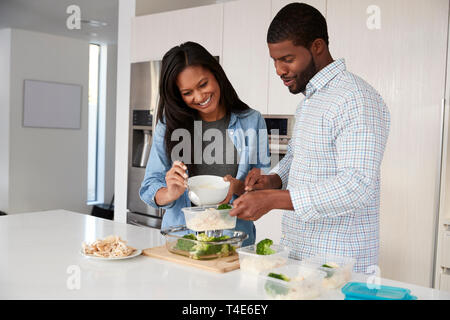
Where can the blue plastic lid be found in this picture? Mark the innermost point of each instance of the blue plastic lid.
(361, 291)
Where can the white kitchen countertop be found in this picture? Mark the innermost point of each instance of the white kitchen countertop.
(40, 255)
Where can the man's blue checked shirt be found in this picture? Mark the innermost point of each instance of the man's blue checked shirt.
(332, 168)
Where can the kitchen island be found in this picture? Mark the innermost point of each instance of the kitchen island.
(41, 259)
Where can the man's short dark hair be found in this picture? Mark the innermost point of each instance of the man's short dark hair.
(300, 23)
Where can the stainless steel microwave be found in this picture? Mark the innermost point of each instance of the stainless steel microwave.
(280, 129)
(282, 124)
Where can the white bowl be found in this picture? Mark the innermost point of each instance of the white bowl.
(208, 190)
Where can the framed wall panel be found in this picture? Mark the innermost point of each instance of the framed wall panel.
(51, 105)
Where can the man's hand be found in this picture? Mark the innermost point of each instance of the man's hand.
(257, 181)
(252, 205)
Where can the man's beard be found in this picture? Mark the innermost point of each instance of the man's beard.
(303, 78)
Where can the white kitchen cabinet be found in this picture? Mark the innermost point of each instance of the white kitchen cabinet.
(245, 53)
(443, 245)
(281, 101)
(405, 61)
(153, 35)
(445, 253)
(444, 281)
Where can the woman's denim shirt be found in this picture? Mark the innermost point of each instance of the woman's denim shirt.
(247, 131)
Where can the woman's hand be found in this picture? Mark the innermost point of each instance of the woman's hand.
(176, 180)
(236, 187)
(176, 184)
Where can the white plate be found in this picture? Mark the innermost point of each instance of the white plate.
(134, 254)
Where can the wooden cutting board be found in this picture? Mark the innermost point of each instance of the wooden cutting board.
(220, 265)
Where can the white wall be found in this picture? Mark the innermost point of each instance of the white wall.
(5, 55)
(48, 167)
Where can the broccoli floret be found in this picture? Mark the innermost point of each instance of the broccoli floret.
(273, 288)
(202, 237)
(224, 206)
(227, 249)
(186, 245)
(206, 249)
(263, 247)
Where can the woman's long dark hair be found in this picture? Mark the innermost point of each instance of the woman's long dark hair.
(172, 110)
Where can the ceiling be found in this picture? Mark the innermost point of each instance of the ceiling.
(50, 16)
(144, 7)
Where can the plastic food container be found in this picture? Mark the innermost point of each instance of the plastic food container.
(338, 269)
(181, 240)
(208, 218)
(305, 283)
(255, 263)
(361, 291)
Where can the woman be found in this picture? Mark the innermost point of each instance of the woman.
(195, 96)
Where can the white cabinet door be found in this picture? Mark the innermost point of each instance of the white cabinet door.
(153, 35)
(269, 226)
(245, 53)
(405, 60)
(444, 281)
(149, 37)
(281, 101)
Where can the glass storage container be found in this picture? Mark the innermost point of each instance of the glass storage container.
(196, 245)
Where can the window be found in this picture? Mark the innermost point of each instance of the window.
(93, 147)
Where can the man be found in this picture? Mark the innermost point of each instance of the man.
(329, 181)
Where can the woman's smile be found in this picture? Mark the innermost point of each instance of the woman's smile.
(201, 91)
(204, 104)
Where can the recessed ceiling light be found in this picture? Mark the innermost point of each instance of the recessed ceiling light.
(94, 23)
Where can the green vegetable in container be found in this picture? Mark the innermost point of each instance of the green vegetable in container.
(273, 288)
(263, 247)
(204, 238)
(186, 245)
(201, 247)
(224, 207)
(206, 249)
(279, 276)
(329, 270)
